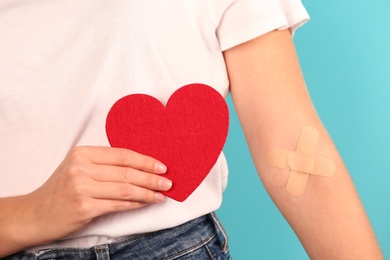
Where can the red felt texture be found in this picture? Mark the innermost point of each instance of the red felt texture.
(187, 135)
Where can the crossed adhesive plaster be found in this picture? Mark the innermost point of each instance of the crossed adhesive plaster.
(303, 162)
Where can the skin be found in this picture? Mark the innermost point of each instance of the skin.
(90, 182)
(273, 104)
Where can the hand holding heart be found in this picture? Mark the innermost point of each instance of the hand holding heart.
(187, 136)
(90, 182)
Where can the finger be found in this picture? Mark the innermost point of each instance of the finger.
(120, 157)
(107, 173)
(125, 191)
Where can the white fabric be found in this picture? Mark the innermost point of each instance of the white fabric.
(64, 63)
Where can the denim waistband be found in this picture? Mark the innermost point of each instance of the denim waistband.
(169, 243)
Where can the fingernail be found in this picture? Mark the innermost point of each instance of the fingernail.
(165, 183)
(160, 168)
(159, 197)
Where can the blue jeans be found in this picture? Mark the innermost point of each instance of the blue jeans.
(201, 238)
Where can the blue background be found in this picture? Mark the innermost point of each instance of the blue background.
(345, 57)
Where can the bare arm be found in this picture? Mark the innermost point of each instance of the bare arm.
(273, 105)
(90, 182)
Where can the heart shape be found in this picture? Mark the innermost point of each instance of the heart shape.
(187, 135)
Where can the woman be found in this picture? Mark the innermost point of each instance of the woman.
(66, 194)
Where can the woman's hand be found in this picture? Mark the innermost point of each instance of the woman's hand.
(90, 182)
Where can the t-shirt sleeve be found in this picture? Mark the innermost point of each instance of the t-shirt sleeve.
(238, 21)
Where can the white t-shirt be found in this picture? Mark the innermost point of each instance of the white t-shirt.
(64, 63)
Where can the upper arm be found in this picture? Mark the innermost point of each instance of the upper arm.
(266, 82)
(270, 95)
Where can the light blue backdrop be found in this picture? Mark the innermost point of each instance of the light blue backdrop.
(345, 56)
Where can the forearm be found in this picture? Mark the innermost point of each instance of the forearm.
(328, 218)
(273, 105)
(16, 225)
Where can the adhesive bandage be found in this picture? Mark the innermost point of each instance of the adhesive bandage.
(301, 162)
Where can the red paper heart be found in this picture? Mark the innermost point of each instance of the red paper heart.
(187, 135)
